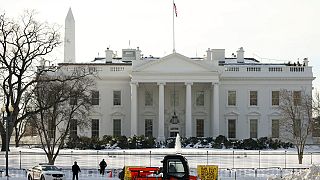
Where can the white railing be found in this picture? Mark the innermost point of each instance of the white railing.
(267, 68)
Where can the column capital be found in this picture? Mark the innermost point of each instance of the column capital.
(215, 83)
(188, 83)
(134, 82)
(161, 83)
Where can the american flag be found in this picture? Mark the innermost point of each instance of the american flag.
(175, 9)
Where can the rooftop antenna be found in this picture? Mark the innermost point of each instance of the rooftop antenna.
(129, 44)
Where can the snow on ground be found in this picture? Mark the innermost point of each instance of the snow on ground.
(313, 173)
(244, 164)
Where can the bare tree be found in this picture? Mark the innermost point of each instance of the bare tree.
(61, 104)
(296, 108)
(23, 43)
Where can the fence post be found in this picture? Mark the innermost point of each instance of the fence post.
(311, 158)
(71, 157)
(259, 158)
(97, 159)
(20, 158)
(150, 158)
(285, 159)
(124, 158)
(207, 157)
(256, 172)
(232, 159)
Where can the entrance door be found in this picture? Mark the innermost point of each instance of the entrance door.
(174, 131)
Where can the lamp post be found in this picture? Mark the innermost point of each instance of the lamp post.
(8, 120)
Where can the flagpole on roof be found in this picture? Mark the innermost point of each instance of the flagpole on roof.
(173, 36)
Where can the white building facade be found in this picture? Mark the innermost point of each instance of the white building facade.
(196, 97)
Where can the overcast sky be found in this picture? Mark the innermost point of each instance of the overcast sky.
(280, 30)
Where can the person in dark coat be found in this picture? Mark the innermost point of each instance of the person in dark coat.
(75, 171)
(103, 166)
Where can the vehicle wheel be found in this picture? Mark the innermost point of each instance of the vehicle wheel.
(42, 178)
(29, 177)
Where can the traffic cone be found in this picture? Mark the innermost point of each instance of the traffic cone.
(110, 175)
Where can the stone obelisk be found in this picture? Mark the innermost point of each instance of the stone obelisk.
(69, 38)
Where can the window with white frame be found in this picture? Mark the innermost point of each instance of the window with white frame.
(200, 128)
(253, 128)
(116, 127)
(297, 98)
(297, 128)
(275, 98)
(95, 97)
(316, 127)
(148, 98)
(95, 128)
(200, 98)
(117, 98)
(232, 96)
(51, 127)
(275, 128)
(148, 127)
(253, 98)
(73, 99)
(73, 128)
(231, 128)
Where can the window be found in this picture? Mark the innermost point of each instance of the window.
(275, 128)
(95, 97)
(174, 99)
(117, 98)
(148, 98)
(117, 127)
(175, 166)
(200, 98)
(51, 128)
(253, 128)
(231, 128)
(253, 98)
(73, 99)
(73, 128)
(148, 128)
(232, 98)
(275, 98)
(200, 128)
(316, 128)
(95, 128)
(297, 128)
(297, 98)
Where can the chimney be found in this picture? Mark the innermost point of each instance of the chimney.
(218, 55)
(209, 54)
(305, 61)
(109, 55)
(240, 55)
(138, 54)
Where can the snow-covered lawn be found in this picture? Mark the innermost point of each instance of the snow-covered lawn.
(273, 160)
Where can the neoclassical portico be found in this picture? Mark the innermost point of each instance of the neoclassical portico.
(163, 72)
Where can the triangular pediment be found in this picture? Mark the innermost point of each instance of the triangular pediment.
(174, 63)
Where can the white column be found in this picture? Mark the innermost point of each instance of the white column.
(161, 112)
(134, 109)
(215, 111)
(188, 110)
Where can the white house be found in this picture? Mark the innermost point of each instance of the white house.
(236, 97)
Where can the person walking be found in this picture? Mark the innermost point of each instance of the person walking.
(103, 166)
(75, 171)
